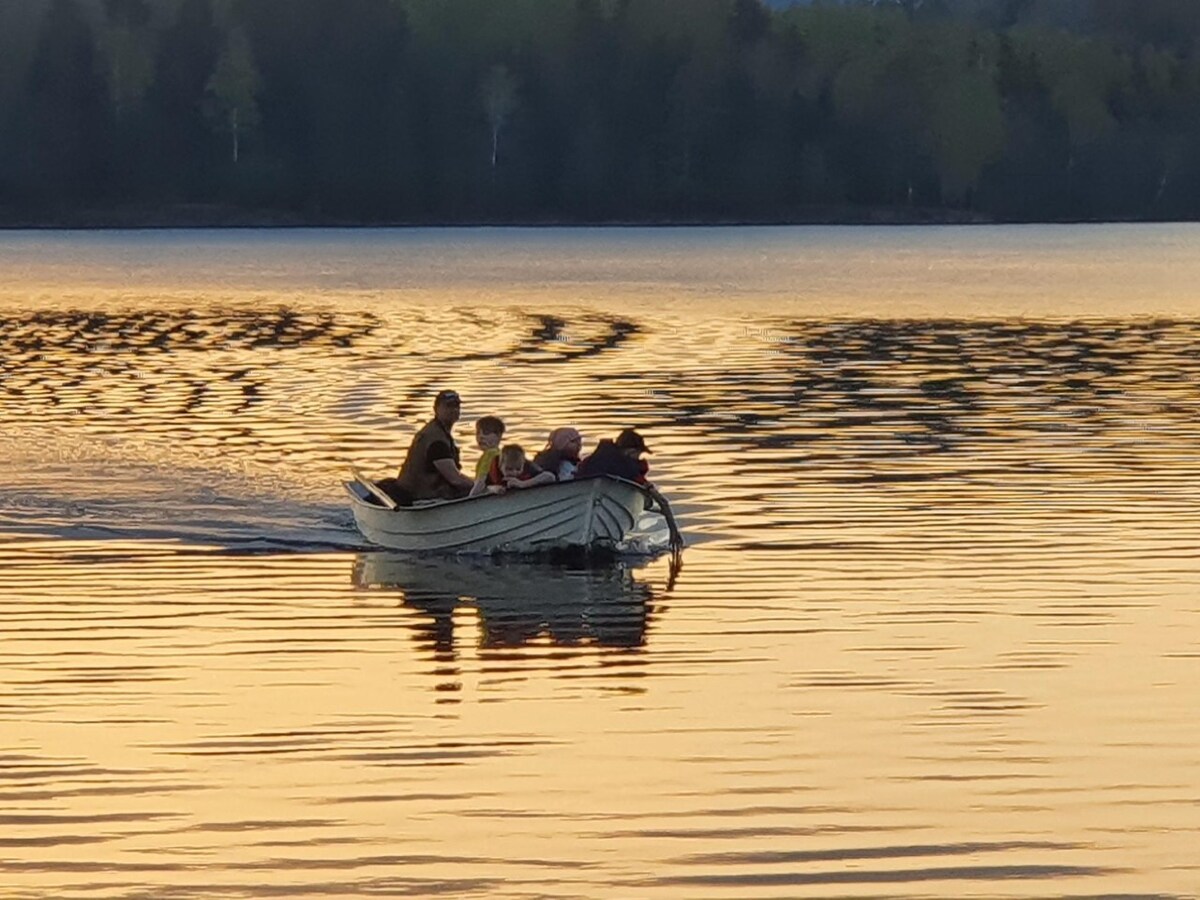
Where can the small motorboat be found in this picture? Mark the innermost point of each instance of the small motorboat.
(589, 513)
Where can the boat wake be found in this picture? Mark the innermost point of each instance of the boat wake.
(137, 506)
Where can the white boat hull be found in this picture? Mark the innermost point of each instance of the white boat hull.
(589, 513)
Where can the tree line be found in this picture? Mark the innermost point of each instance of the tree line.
(600, 110)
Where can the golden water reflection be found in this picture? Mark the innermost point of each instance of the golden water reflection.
(186, 724)
(517, 603)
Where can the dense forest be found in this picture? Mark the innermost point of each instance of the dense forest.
(348, 111)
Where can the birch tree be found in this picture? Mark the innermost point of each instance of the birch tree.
(499, 102)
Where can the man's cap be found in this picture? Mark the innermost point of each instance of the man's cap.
(630, 439)
(446, 397)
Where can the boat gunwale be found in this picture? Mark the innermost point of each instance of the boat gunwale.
(406, 511)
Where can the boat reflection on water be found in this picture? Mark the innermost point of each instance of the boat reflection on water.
(520, 602)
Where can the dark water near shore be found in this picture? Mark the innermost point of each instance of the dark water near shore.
(937, 633)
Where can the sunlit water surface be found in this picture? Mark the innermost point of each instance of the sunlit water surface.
(936, 634)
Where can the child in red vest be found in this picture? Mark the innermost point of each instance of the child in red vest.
(511, 469)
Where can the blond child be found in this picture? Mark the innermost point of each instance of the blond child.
(512, 469)
(488, 432)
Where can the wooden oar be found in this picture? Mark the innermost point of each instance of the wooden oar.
(376, 491)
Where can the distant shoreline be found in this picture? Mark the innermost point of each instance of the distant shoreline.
(228, 217)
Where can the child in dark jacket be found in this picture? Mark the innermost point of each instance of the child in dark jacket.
(621, 458)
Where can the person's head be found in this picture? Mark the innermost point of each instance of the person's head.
(447, 407)
(567, 441)
(512, 461)
(631, 443)
(488, 432)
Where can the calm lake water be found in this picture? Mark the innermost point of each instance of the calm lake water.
(936, 634)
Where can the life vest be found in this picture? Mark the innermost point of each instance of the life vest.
(417, 476)
(495, 476)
